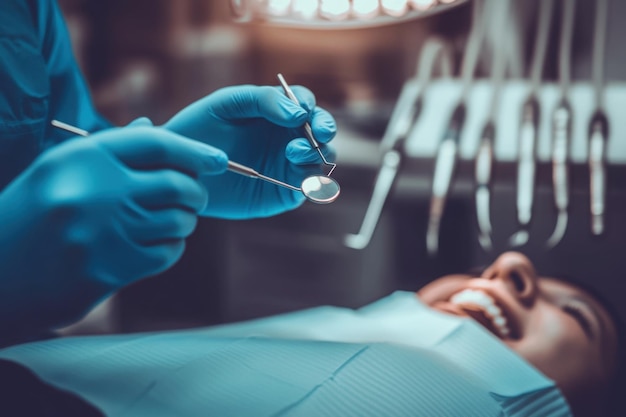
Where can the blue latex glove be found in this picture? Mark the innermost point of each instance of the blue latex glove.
(94, 214)
(261, 128)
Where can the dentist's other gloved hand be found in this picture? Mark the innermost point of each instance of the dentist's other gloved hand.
(92, 215)
(261, 128)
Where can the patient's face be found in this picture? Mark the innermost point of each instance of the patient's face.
(557, 327)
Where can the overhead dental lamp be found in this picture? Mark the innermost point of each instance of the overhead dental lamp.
(335, 14)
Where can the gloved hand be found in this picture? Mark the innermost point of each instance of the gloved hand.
(261, 128)
(94, 214)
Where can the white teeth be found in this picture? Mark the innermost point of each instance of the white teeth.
(499, 321)
(477, 298)
(494, 310)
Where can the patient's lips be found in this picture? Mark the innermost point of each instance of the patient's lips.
(484, 309)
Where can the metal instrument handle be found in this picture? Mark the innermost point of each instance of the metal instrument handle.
(560, 151)
(527, 165)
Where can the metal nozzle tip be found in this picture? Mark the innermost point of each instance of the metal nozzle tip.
(485, 242)
(432, 242)
(597, 224)
(432, 232)
(559, 230)
(432, 247)
(519, 238)
(356, 241)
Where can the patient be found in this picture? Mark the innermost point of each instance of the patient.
(560, 328)
(402, 355)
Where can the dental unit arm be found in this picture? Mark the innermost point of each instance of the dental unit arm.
(445, 166)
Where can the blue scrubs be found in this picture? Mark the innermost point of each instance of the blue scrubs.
(39, 81)
(395, 357)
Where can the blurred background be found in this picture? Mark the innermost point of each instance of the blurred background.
(153, 57)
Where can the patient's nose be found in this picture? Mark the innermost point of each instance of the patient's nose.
(518, 273)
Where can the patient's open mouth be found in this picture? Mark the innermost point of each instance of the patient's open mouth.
(484, 309)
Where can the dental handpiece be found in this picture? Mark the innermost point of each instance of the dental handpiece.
(447, 153)
(562, 120)
(483, 173)
(445, 165)
(562, 132)
(528, 133)
(526, 166)
(382, 186)
(485, 154)
(561, 125)
(308, 132)
(598, 135)
(396, 133)
(599, 123)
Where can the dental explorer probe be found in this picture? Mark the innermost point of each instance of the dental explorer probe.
(447, 153)
(318, 189)
(599, 124)
(485, 155)
(529, 129)
(403, 119)
(562, 126)
(308, 132)
(75, 130)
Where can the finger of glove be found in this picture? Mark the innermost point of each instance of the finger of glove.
(300, 152)
(168, 188)
(142, 121)
(146, 148)
(158, 226)
(306, 98)
(323, 125)
(269, 103)
(162, 256)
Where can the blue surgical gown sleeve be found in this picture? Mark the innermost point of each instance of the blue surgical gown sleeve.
(70, 100)
(39, 81)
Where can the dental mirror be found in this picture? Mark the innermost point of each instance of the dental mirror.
(320, 189)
